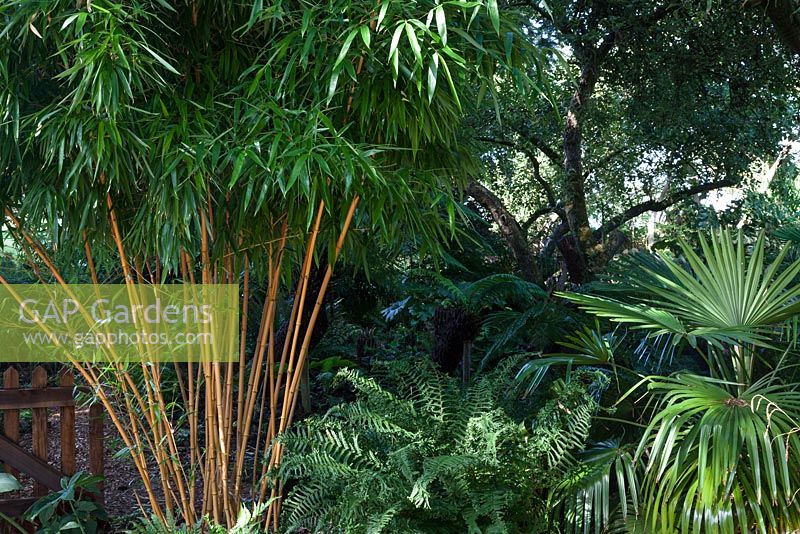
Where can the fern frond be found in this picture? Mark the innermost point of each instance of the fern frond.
(307, 506)
(418, 453)
(509, 324)
(420, 383)
(501, 288)
(370, 389)
(362, 414)
(379, 522)
(433, 468)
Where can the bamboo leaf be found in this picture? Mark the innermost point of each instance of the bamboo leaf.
(345, 48)
(160, 59)
(69, 20)
(441, 24)
(34, 30)
(365, 35)
(332, 84)
(395, 40)
(237, 168)
(494, 15)
(433, 71)
(412, 40)
(255, 11)
(382, 14)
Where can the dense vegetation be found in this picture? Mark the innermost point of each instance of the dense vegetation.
(503, 266)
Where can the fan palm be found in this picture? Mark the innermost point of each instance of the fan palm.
(589, 346)
(721, 453)
(725, 297)
(717, 461)
(789, 232)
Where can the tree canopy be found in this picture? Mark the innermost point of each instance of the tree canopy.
(652, 103)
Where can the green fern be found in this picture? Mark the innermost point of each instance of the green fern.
(416, 452)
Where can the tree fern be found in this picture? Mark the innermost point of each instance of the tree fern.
(500, 289)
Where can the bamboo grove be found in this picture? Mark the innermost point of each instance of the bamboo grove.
(249, 144)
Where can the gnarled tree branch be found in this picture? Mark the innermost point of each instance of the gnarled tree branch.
(658, 205)
(537, 173)
(555, 157)
(509, 228)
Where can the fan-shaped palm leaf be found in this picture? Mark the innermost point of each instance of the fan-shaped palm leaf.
(724, 296)
(591, 347)
(790, 232)
(721, 462)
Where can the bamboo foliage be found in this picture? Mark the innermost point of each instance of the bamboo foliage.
(222, 143)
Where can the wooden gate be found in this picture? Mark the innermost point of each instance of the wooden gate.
(40, 398)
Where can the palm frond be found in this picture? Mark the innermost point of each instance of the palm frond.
(714, 459)
(603, 488)
(723, 296)
(790, 232)
(591, 347)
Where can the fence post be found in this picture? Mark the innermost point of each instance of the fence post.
(11, 417)
(96, 459)
(39, 426)
(67, 418)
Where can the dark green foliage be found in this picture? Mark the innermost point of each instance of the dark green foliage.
(254, 109)
(71, 510)
(514, 314)
(416, 453)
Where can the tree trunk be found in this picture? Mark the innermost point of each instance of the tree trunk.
(575, 202)
(782, 13)
(453, 328)
(577, 213)
(510, 230)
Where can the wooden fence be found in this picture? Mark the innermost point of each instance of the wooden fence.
(40, 398)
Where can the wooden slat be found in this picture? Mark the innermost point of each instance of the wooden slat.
(11, 416)
(96, 451)
(39, 426)
(67, 424)
(18, 458)
(54, 397)
(16, 507)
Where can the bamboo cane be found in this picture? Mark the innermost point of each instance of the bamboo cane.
(290, 396)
